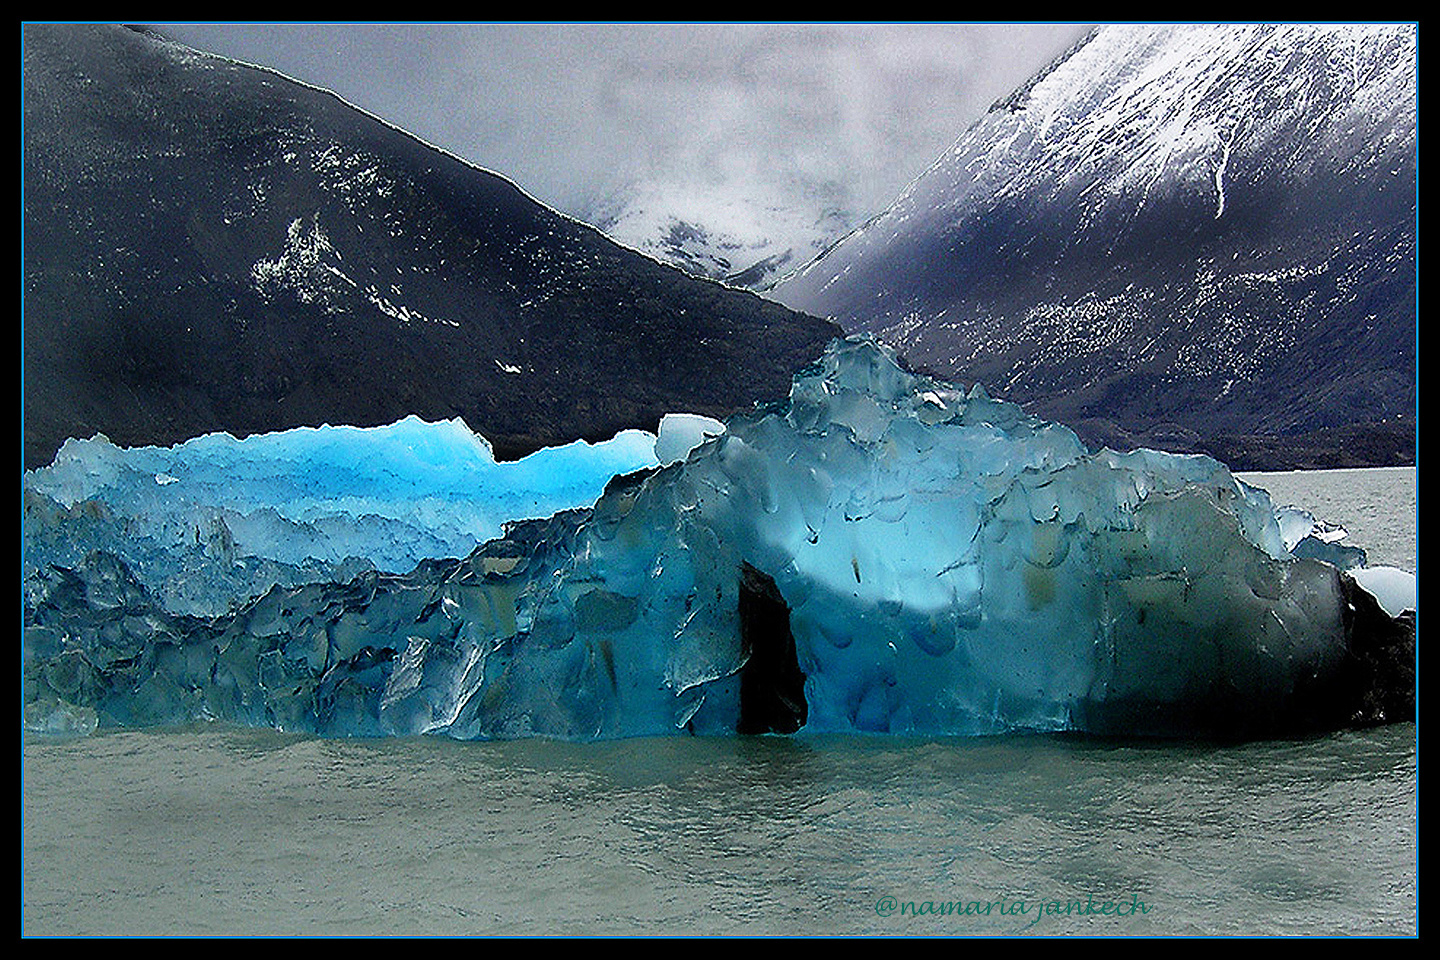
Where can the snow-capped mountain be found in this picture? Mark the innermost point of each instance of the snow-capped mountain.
(213, 246)
(736, 237)
(1198, 237)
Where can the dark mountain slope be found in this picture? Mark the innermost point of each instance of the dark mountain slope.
(1182, 236)
(211, 246)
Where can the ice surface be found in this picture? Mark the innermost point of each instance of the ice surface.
(680, 433)
(1305, 535)
(216, 519)
(929, 560)
(1395, 589)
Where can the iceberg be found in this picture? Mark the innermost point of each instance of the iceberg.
(880, 552)
(218, 520)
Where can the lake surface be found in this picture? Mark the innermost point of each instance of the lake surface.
(217, 831)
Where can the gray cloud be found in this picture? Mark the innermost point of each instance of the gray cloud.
(571, 112)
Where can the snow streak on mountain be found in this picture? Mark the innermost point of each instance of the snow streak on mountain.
(1186, 236)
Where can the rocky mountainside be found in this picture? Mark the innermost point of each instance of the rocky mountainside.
(212, 246)
(1191, 237)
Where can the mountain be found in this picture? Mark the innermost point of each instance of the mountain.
(747, 236)
(211, 246)
(1190, 237)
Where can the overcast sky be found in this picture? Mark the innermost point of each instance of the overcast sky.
(571, 112)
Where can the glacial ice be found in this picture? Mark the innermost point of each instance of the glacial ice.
(679, 433)
(1394, 589)
(880, 552)
(217, 520)
(1306, 535)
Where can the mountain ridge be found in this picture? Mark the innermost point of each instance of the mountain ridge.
(214, 246)
(1209, 227)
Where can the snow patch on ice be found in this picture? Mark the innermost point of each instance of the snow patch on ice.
(1393, 588)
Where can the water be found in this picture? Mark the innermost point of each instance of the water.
(216, 832)
(220, 831)
(1376, 505)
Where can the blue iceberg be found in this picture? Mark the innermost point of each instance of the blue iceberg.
(217, 520)
(881, 552)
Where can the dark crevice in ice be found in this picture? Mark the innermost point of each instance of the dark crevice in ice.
(772, 686)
